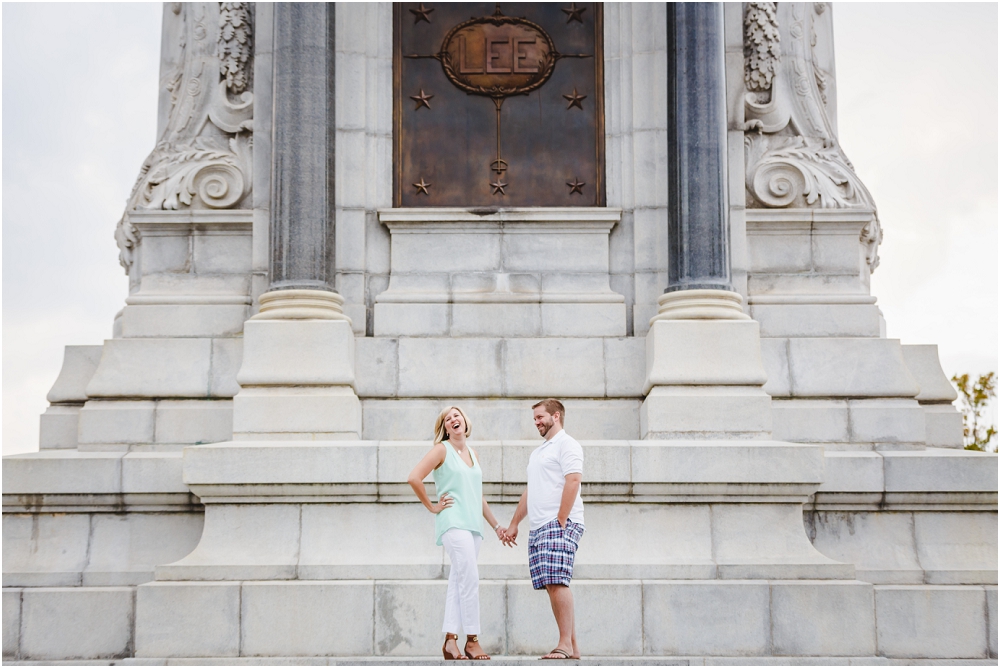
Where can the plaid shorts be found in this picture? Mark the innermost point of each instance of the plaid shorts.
(551, 551)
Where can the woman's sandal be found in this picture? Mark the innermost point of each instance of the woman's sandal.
(478, 657)
(448, 656)
(565, 655)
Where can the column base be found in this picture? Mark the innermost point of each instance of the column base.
(297, 376)
(704, 370)
(700, 305)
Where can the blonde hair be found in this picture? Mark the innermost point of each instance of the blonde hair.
(441, 433)
(553, 406)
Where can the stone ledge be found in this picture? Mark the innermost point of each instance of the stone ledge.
(498, 660)
(774, 607)
(618, 471)
(423, 219)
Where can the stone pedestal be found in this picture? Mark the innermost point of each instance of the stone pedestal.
(506, 272)
(297, 378)
(942, 419)
(59, 425)
(704, 372)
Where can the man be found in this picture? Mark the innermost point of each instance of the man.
(554, 508)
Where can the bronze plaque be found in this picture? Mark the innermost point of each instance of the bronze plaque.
(498, 105)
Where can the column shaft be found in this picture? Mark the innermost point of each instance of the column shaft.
(698, 229)
(302, 196)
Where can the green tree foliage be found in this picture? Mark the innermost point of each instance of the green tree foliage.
(973, 398)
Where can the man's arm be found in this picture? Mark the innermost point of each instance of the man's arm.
(519, 514)
(570, 490)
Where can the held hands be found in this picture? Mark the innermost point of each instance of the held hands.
(444, 501)
(508, 536)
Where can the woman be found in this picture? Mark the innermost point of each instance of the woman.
(459, 524)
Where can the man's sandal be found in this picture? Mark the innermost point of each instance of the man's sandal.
(478, 657)
(565, 655)
(448, 656)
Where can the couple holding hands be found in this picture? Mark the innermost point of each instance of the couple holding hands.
(551, 502)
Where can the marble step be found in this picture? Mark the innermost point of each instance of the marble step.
(524, 661)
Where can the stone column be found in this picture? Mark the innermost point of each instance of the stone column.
(704, 367)
(698, 230)
(297, 376)
(302, 209)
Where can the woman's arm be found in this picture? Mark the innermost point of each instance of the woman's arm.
(494, 523)
(490, 517)
(431, 461)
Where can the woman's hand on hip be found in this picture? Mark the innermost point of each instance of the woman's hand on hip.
(444, 501)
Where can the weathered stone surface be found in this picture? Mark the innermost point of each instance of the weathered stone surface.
(814, 320)
(608, 618)
(887, 423)
(125, 549)
(62, 472)
(704, 352)
(450, 367)
(153, 368)
(881, 545)
(944, 426)
(701, 617)
(187, 619)
(337, 542)
(957, 548)
(79, 365)
(614, 546)
(241, 542)
(823, 619)
(58, 427)
(76, 623)
(297, 352)
(153, 473)
(183, 320)
(12, 622)
(940, 470)
(306, 618)
(116, 424)
(564, 368)
(193, 421)
(991, 613)
(376, 366)
(923, 363)
(409, 614)
(852, 471)
(931, 622)
(811, 420)
(413, 419)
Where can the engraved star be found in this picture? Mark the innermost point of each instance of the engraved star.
(422, 100)
(572, 14)
(422, 187)
(575, 100)
(498, 187)
(575, 186)
(422, 14)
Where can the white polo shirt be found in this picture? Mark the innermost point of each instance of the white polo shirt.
(548, 467)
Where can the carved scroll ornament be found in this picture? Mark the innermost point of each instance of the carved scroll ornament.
(793, 158)
(203, 158)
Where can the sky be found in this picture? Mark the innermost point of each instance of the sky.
(917, 108)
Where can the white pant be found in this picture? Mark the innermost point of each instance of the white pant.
(461, 607)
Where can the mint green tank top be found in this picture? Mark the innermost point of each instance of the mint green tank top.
(465, 485)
